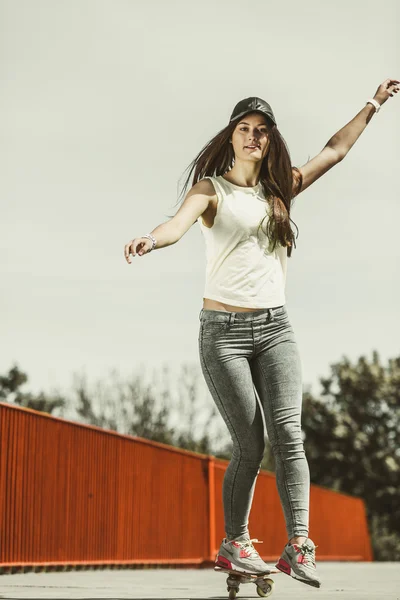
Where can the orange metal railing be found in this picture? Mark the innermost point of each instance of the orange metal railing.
(74, 494)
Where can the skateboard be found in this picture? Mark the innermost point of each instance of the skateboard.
(264, 583)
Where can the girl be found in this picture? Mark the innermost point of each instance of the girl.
(243, 179)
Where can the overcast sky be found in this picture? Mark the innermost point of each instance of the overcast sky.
(104, 103)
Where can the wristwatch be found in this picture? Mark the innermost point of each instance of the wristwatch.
(374, 103)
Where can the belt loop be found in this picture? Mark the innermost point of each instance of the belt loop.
(231, 318)
(270, 315)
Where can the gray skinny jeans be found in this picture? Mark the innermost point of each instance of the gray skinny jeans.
(242, 353)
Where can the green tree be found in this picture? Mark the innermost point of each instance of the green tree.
(174, 410)
(352, 440)
(10, 391)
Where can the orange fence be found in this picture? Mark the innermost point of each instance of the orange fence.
(73, 494)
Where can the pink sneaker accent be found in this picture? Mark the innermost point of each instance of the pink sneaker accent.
(223, 562)
(243, 553)
(282, 565)
(301, 558)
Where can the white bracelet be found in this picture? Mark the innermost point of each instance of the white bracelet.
(374, 103)
(148, 235)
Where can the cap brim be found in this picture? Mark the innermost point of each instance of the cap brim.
(246, 112)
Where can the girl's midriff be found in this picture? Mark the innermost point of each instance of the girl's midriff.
(215, 305)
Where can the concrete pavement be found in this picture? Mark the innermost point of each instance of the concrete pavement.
(340, 581)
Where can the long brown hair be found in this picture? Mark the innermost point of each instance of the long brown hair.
(281, 182)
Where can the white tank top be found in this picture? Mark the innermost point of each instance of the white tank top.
(241, 270)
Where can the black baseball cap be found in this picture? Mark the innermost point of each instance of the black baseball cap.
(252, 104)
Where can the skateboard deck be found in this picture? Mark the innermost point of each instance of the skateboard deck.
(264, 583)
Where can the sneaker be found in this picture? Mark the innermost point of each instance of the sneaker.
(299, 562)
(240, 555)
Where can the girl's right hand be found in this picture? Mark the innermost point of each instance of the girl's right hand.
(137, 246)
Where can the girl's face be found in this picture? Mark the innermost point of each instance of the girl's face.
(252, 130)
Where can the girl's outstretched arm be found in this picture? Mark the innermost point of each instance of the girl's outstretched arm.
(338, 146)
(346, 137)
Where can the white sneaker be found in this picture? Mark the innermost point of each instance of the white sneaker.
(298, 561)
(240, 555)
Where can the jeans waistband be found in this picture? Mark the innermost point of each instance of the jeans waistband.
(225, 316)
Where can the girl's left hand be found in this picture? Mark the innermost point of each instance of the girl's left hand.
(386, 89)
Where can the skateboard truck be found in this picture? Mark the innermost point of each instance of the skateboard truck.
(264, 584)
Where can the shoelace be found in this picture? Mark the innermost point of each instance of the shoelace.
(248, 545)
(309, 553)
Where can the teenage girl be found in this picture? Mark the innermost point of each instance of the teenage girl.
(243, 180)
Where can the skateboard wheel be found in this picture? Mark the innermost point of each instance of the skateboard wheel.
(232, 593)
(267, 588)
